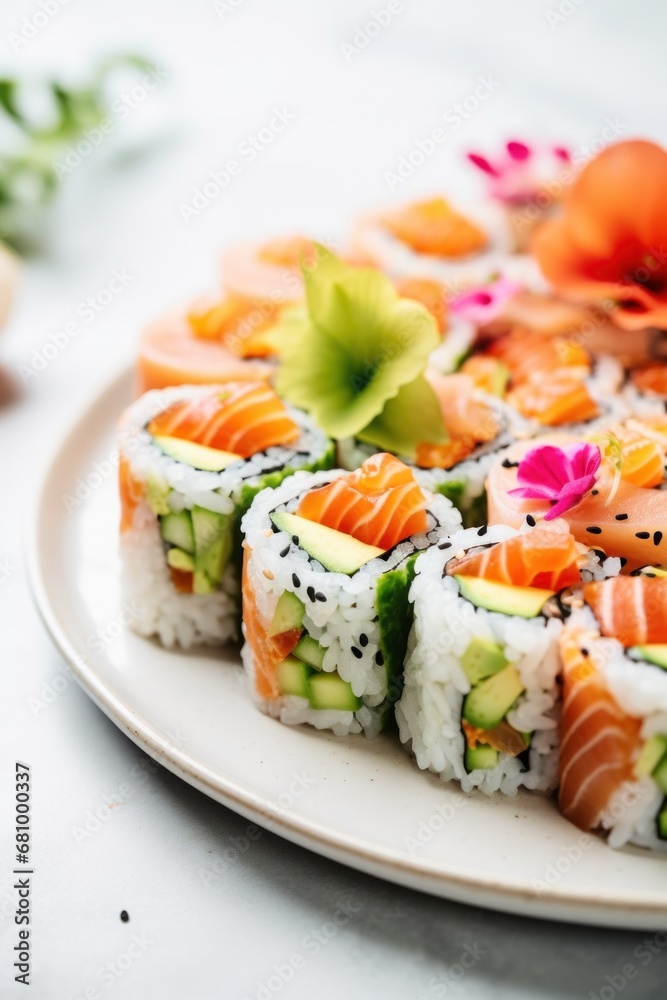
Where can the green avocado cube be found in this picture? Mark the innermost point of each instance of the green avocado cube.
(292, 676)
(481, 758)
(288, 614)
(329, 691)
(310, 651)
(482, 659)
(488, 702)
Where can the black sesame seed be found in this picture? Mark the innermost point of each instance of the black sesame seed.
(483, 530)
(379, 658)
(623, 561)
(124, 916)
(445, 545)
(295, 539)
(584, 652)
(531, 520)
(595, 492)
(657, 537)
(363, 639)
(507, 464)
(296, 581)
(311, 593)
(285, 552)
(357, 652)
(642, 534)
(594, 530)
(621, 517)
(319, 596)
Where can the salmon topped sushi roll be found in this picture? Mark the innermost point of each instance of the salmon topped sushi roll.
(480, 701)
(191, 460)
(611, 489)
(327, 567)
(433, 239)
(613, 753)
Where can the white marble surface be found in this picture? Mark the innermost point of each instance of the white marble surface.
(215, 912)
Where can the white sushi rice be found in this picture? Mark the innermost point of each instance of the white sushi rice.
(429, 711)
(179, 618)
(640, 689)
(344, 609)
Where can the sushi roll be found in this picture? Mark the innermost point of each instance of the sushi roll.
(179, 349)
(479, 427)
(327, 568)
(613, 754)
(432, 239)
(610, 489)
(480, 700)
(191, 460)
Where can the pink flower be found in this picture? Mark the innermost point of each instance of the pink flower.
(482, 304)
(562, 475)
(520, 171)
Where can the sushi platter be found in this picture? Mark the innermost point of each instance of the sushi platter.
(391, 574)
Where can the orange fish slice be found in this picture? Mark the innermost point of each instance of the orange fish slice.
(554, 398)
(380, 504)
(434, 227)
(547, 556)
(599, 742)
(632, 609)
(525, 354)
(651, 378)
(238, 322)
(240, 417)
(430, 293)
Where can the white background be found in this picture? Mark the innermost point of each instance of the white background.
(565, 77)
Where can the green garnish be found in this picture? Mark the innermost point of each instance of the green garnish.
(354, 357)
(30, 159)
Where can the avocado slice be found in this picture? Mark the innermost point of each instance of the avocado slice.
(288, 614)
(310, 651)
(213, 547)
(481, 758)
(662, 821)
(526, 602)
(655, 653)
(180, 560)
(659, 775)
(329, 691)
(337, 551)
(482, 659)
(199, 456)
(651, 754)
(176, 529)
(292, 676)
(489, 702)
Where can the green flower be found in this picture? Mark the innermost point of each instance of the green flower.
(355, 355)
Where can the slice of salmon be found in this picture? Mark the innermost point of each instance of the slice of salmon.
(651, 378)
(238, 323)
(169, 354)
(380, 504)
(240, 417)
(430, 293)
(267, 651)
(525, 355)
(469, 420)
(631, 526)
(642, 452)
(632, 609)
(599, 742)
(434, 227)
(182, 580)
(547, 557)
(554, 398)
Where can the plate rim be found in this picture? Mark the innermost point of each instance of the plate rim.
(465, 885)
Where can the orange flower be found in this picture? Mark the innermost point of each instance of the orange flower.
(610, 242)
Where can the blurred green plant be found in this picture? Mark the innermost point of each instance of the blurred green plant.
(35, 140)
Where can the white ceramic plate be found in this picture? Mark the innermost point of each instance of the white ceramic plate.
(363, 803)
